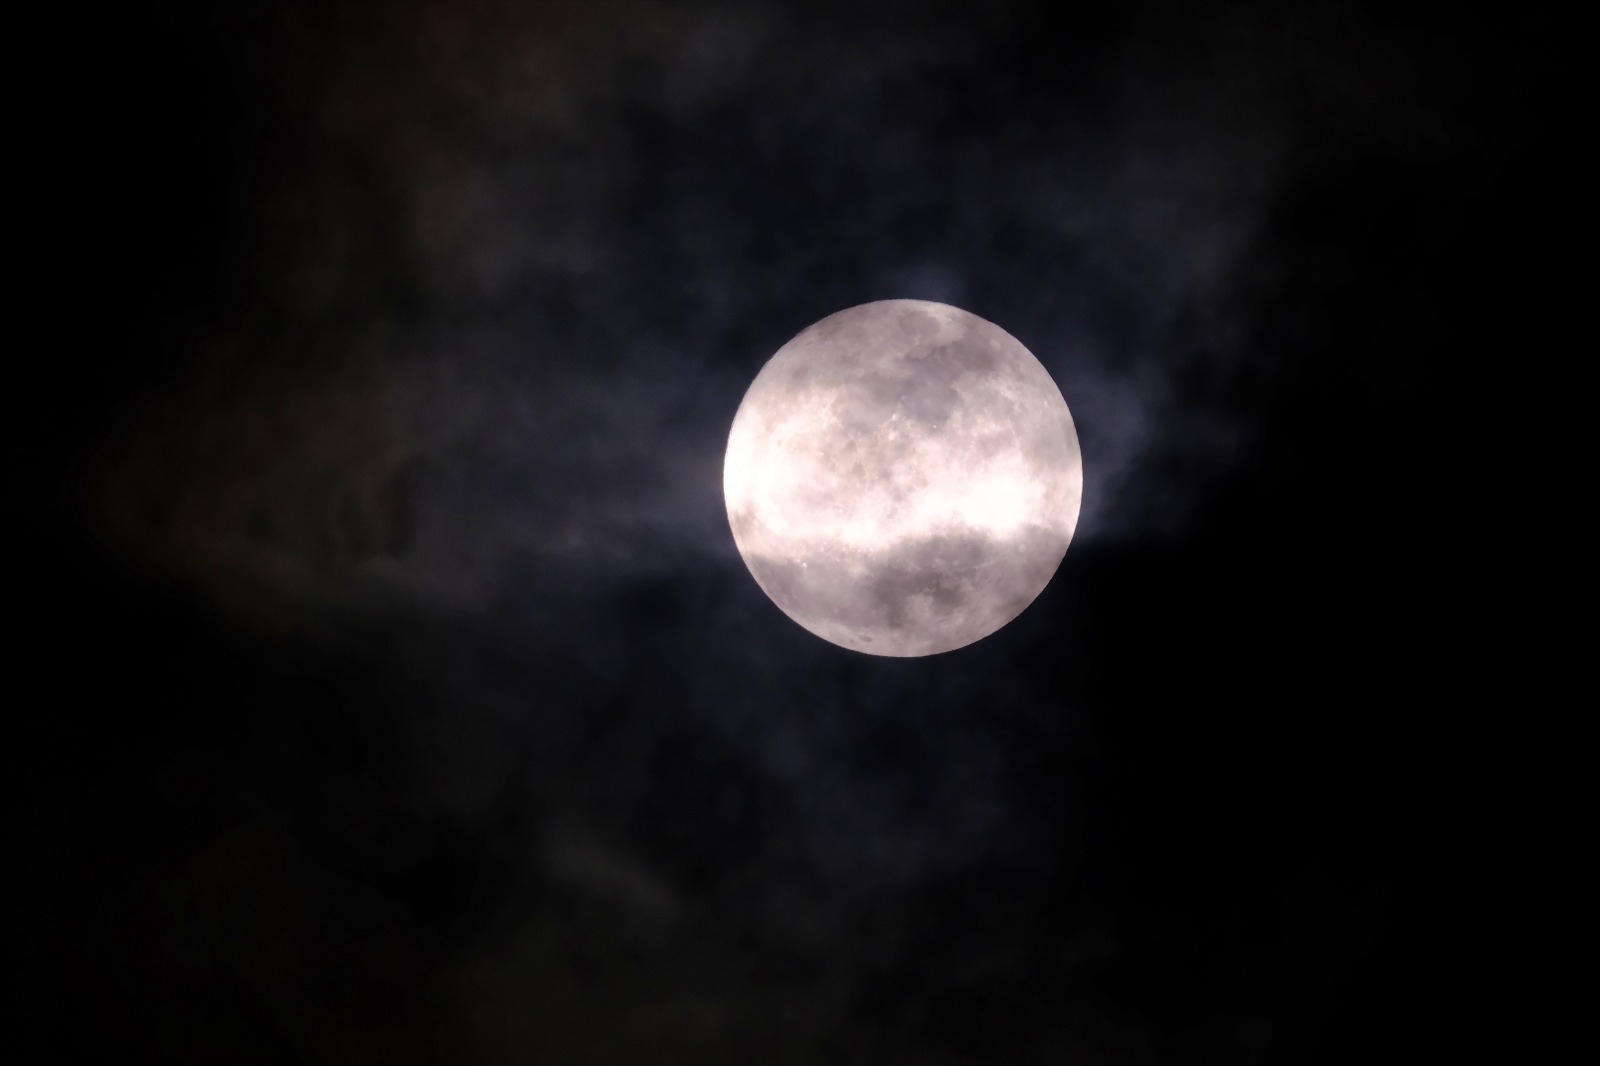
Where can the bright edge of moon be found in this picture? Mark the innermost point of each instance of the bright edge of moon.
(903, 478)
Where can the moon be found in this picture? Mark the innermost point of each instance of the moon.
(903, 478)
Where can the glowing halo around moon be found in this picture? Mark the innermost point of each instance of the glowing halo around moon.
(903, 478)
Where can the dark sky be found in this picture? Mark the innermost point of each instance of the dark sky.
(411, 704)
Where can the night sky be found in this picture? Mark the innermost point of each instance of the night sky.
(405, 698)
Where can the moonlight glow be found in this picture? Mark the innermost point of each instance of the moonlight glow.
(903, 478)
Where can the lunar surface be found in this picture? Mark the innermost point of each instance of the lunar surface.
(903, 478)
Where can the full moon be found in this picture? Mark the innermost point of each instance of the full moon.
(903, 478)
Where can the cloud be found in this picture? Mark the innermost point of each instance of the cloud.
(513, 300)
